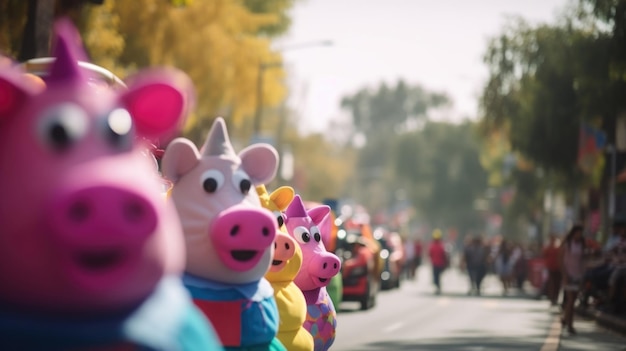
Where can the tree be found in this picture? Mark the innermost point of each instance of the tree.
(440, 168)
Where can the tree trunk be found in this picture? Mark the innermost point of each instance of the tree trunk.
(36, 38)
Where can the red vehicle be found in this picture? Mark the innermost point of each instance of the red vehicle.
(361, 265)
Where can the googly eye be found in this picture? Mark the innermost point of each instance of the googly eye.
(117, 128)
(315, 231)
(62, 125)
(211, 180)
(279, 218)
(242, 182)
(302, 235)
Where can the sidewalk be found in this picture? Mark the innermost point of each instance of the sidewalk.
(615, 323)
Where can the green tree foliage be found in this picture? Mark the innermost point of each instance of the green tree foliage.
(545, 80)
(436, 166)
(219, 43)
(440, 167)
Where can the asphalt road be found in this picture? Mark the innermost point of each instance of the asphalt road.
(414, 318)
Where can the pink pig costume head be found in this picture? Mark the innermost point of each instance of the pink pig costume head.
(318, 265)
(229, 236)
(83, 226)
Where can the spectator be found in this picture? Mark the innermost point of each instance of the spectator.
(475, 259)
(409, 256)
(504, 263)
(417, 251)
(551, 256)
(571, 254)
(438, 259)
(618, 264)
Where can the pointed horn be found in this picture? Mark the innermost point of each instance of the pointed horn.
(296, 208)
(67, 51)
(218, 142)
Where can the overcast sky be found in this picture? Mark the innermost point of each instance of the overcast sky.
(436, 43)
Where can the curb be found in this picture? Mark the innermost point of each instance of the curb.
(604, 319)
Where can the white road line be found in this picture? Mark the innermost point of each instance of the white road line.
(393, 327)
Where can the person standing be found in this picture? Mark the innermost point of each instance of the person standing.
(438, 259)
(504, 263)
(475, 257)
(409, 259)
(551, 255)
(571, 254)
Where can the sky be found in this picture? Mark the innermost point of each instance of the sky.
(438, 44)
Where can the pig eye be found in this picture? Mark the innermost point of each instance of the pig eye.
(316, 233)
(117, 128)
(302, 235)
(279, 218)
(211, 180)
(242, 182)
(62, 125)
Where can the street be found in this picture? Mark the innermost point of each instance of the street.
(413, 318)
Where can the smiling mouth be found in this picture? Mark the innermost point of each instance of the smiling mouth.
(243, 255)
(99, 261)
(276, 262)
(323, 280)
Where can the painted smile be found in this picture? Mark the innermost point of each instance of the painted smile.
(243, 255)
(97, 261)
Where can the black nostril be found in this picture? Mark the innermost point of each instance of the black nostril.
(275, 246)
(324, 265)
(287, 246)
(335, 265)
(79, 211)
(133, 211)
(234, 230)
(266, 231)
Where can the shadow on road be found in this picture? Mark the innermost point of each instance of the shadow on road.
(468, 343)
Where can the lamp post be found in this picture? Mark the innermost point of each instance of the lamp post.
(258, 113)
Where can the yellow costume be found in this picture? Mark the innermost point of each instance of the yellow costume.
(291, 304)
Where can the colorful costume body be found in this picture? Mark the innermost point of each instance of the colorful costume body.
(321, 318)
(90, 255)
(229, 237)
(318, 267)
(245, 316)
(286, 264)
(150, 326)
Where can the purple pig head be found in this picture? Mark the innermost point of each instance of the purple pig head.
(84, 228)
(318, 265)
(229, 235)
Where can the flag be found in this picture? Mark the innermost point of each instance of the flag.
(591, 142)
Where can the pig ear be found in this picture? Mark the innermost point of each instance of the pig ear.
(318, 214)
(282, 197)
(260, 161)
(180, 157)
(13, 95)
(158, 101)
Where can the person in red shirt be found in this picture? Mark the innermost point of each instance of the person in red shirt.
(551, 256)
(438, 259)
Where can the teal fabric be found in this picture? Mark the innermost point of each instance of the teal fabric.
(166, 321)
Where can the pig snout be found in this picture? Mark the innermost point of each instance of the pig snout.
(284, 249)
(242, 235)
(104, 214)
(323, 267)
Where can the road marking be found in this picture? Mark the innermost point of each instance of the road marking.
(554, 336)
(393, 327)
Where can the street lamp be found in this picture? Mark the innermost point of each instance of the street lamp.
(258, 113)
